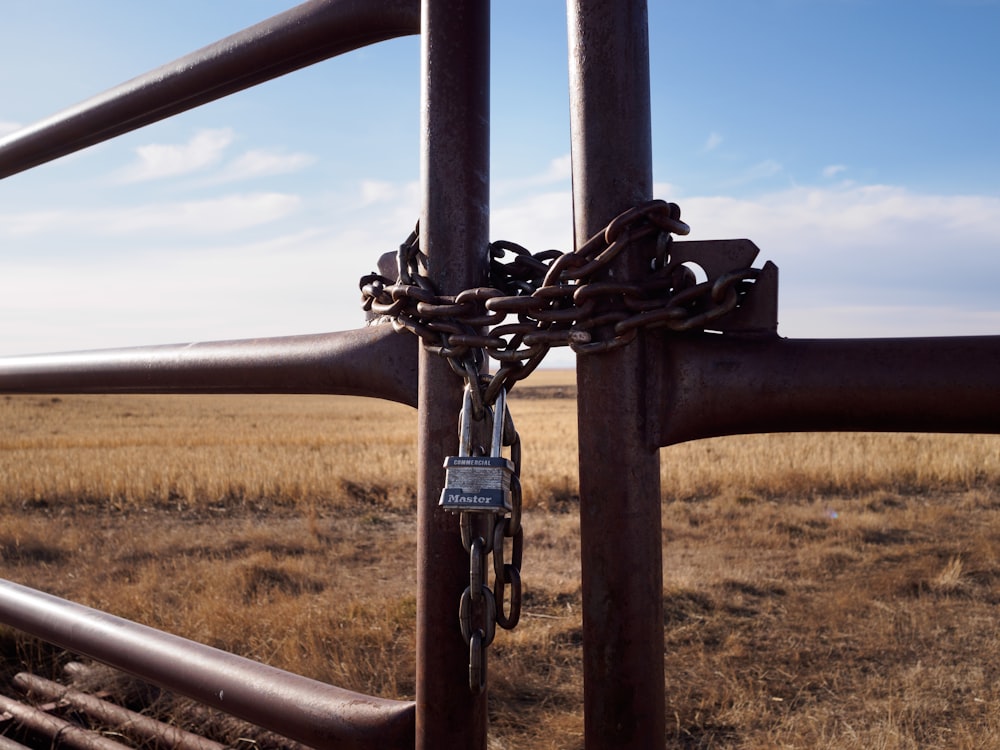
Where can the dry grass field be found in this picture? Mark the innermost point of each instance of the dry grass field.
(822, 591)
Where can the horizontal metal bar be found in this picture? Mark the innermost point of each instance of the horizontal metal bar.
(297, 707)
(302, 36)
(374, 361)
(146, 730)
(6, 743)
(70, 735)
(726, 385)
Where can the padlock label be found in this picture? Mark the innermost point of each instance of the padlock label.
(477, 483)
(456, 499)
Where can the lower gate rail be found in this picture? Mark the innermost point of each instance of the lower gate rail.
(304, 710)
(56, 714)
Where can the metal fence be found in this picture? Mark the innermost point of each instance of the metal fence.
(659, 380)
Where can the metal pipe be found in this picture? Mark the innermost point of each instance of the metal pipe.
(302, 709)
(302, 36)
(454, 228)
(619, 466)
(725, 385)
(148, 731)
(6, 743)
(52, 727)
(372, 361)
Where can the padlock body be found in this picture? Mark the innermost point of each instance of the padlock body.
(477, 484)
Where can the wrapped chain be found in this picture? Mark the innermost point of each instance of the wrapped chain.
(553, 298)
(555, 302)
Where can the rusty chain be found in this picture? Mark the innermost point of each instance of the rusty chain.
(557, 300)
(554, 297)
(481, 608)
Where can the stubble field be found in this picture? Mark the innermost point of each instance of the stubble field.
(831, 591)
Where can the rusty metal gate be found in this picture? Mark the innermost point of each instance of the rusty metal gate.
(663, 359)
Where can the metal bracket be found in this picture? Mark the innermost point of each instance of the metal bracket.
(757, 311)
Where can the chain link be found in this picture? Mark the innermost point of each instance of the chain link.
(481, 609)
(557, 299)
(554, 298)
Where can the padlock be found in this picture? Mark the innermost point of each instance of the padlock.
(479, 484)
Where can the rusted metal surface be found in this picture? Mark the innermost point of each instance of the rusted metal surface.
(306, 710)
(619, 468)
(299, 37)
(6, 743)
(53, 728)
(454, 223)
(135, 725)
(727, 385)
(654, 389)
(372, 361)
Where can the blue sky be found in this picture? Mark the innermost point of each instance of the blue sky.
(855, 141)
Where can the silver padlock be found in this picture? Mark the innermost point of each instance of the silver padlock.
(479, 484)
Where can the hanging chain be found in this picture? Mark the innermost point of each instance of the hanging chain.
(483, 486)
(484, 534)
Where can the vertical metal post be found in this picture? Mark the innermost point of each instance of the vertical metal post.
(454, 232)
(619, 465)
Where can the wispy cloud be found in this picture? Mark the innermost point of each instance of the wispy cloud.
(160, 160)
(205, 149)
(858, 247)
(833, 170)
(760, 171)
(210, 217)
(226, 214)
(855, 260)
(390, 204)
(713, 142)
(379, 191)
(262, 163)
(558, 170)
(803, 319)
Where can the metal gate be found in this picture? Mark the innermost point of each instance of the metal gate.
(670, 366)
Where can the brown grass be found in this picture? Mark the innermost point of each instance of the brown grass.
(833, 591)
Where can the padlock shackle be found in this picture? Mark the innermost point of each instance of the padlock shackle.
(499, 418)
(465, 423)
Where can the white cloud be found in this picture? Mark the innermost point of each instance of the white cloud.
(379, 191)
(29, 222)
(713, 142)
(855, 261)
(850, 251)
(391, 205)
(760, 171)
(849, 213)
(667, 191)
(215, 289)
(213, 216)
(885, 321)
(833, 170)
(8, 127)
(159, 160)
(207, 148)
(538, 222)
(559, 170)
(261, 163)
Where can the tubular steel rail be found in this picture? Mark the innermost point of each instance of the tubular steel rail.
(658, 390)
